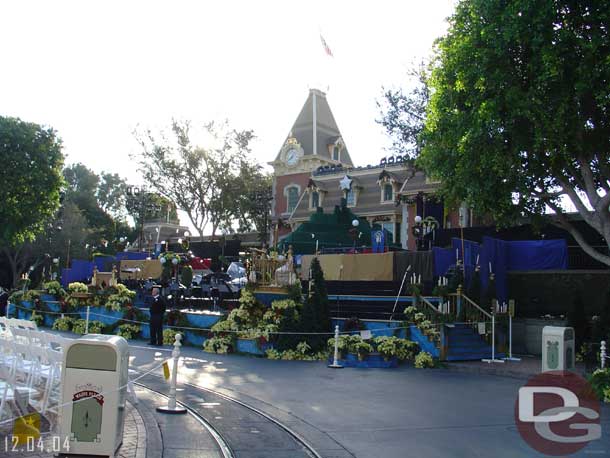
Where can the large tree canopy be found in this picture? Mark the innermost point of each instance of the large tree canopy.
(208, 180)
(518, 120)
(30, 173)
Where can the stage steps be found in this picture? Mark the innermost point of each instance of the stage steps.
(465, 344)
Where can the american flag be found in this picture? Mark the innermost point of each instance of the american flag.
(326, 48)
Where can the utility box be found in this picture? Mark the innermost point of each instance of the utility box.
(94, 390)
(558, 349)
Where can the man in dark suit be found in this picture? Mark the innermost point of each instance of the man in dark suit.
(157, 310)
(3, 301)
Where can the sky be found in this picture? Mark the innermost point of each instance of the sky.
(95, 71)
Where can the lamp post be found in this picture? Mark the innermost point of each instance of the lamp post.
(354, 232)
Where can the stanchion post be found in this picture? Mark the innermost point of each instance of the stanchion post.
(87, 320)
(510, 340)
(493, 338)
(172, 406)
(602, 354)
(335, 364)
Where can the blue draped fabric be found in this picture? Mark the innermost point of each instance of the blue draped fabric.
(444, 258)
(470, 255)
(80, 271)
(538, 255)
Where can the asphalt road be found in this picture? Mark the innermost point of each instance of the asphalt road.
(404, 412)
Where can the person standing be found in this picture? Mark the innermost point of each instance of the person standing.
(3, 301)
(157, 311)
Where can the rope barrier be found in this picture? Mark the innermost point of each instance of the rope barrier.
(10, 420)
(406, 325)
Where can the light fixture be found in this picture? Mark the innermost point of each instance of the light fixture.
(175, 261)
(355, 223)
(418, 219)
(187, 234)
(162, 260)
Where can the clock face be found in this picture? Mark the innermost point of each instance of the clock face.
(292, 157)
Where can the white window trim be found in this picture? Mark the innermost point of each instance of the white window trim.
(382, 198)
(320, 199)
(356, 192)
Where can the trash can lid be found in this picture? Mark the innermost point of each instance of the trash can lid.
(117, 342)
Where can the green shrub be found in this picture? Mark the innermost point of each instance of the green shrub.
(363, 349)
(424, 360)
(36, 318)
(122, 297)
(169, 336)
(128, 331)
(600, 382)
(77, 287)
(217, 344)
(395, 347)
(80, 327)
(63, 324)
(54, 288)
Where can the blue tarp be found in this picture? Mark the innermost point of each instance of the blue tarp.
(81, 270)
(503, 257)
(444, 258)
(538, 255)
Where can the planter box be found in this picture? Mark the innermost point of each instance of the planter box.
(372, 361)
(202, 320)
(47, 297)
(103, 314)
(195, 339)
(378, 327)
(423, 341)
(251, 347)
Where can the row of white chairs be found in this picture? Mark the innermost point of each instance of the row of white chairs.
(30, 366)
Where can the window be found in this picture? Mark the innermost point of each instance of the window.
(335, 153)
(388, 193)
(351, 198)
(292, 198)
(389, 228)
(315, 200)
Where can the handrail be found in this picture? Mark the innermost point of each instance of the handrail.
(429, 304)
(471, 302)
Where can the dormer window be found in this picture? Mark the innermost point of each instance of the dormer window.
(388, 192)
(315, 200)
(388, 186)
(336, 153)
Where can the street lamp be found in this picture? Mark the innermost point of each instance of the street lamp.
(354, 232)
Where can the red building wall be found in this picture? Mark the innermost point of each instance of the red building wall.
(301, 179)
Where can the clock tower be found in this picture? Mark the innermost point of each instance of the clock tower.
(313, 141)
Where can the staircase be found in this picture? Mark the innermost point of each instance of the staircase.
(465, 344)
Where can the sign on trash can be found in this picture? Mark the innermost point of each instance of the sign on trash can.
(558, 349)
(94, 390)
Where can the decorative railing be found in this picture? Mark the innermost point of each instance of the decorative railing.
(271, 270)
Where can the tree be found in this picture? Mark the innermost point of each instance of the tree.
(403, 115)
(31, 179)
(518, 121)
(203, 181)
(315, 316)
(111, 194)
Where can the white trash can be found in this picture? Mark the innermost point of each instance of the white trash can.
(94, 390)
(558, 349)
